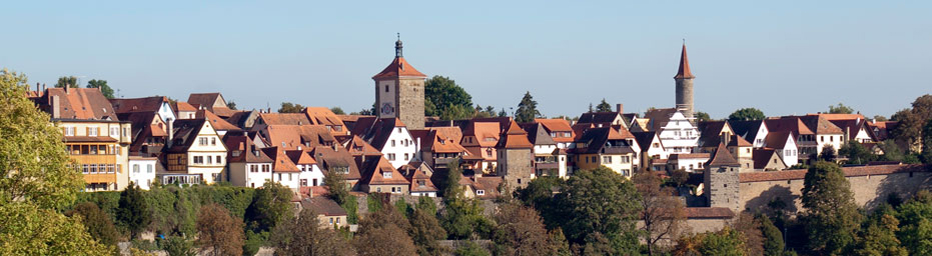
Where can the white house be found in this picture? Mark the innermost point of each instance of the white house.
(248, 165)
(284, 171)
(754, 131)
(389, 136)
(688, 162)
(195, 153)
(785, 145)
(679, 136)
(311, 174)
(142, 170)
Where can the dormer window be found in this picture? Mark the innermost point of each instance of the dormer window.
(480, 192)
(387, 175)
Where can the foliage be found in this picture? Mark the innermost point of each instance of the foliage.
(527, 109)
(102, 85)
(915, 227)
(231, 105)
(384, 232)
(70, 81)
(926, 155)
(828, 153)
(856, 153)
(601, 201)
(747, 114)
(98, 223)
(270, 206)
(462, 216)
(288, 107)
(338, 191)
(663, 214)
(441, 94)
(840, 109)
(726, 242)
(338, 111)
(520, 231)
(29, 229)
(679, 177)
(702, 116)
(912, 120)
(305, 236)
(426, 229)
(880, 118)
(773, 238)
(218, 233)
(178, 246)
(832, 216)
(750, 229)
(878, 237)
(471, 249)
(603, 106)
(450, 184)
(33, 162)
(539, 193)
(133, 212)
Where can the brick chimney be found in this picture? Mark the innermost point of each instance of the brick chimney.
(55, 106)
(171, 132)
(620, 108)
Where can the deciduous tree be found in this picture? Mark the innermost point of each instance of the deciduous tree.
(521, 232)
(270, 206)
(601, 201)
(840, 109)
(98, 223)
(305, 235)
(663, 214)
(442, 93)
(288, 107)
(28, 229)
(384, 233)
(747, 114)
(218, 233)
(102, 85)
(773, 238)
(70, 81)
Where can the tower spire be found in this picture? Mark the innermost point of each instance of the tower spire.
(684, 72)
(398, 47)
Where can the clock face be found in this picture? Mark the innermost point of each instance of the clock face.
(387, 109)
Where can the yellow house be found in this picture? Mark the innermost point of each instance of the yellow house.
(604, 147)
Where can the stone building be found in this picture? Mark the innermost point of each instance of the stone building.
(684, 86)
(514, 157)
(722, 180)
(399, 92)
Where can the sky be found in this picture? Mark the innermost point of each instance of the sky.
(783, 57)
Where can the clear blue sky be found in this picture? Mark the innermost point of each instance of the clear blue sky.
(782, 57)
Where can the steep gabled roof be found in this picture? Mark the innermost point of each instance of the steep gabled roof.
(284, 119)
(281, 162)
(328, 158)
(444, 140)
(323, 206)
(359, 147)
(777, 140)
(746, 129)
(294, 136)
(374, 168)
(300, 157)
(487, 134)
(185, 133)
(820, 125)
(659, 117)
(645, 139)
(179, 106)
(599, 117)
(376, 131)
(216, 121)
(130, 105)
(207, 100)
(763, 157)
(722, 157)
(597, 139)
(537, 135)
(738, 141)
(245, 146)
(794, 125)
(514, 138)
(78, 103)
(555, 125)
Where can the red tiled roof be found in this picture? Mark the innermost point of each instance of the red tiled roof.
(216, 121)
(323, 206)
(399, 68)
(684, 71)
(147, 104)
(515, 138)
(849, 172)
(79, 103)
(708, 212)
(723, 158)
(281, 161)
(690, 156)
(184, 106)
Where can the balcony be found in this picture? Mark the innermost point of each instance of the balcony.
(547, 165)
(100, 178)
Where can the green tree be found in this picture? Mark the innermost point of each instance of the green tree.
(828, 153)
(747, 114)
(218, 233)
(270, 206)
(133, 212)
(462, 216)
(702, 116)
(471, 249)
(71, 81)
(879, 237)
(601, 201)
(98, 223)
(856, 153)
(880, 118)
(305, 236)
(179, 246)
(915, 227)
(457, 112)
(539, 193)
(384, 232)
(891, 151)
(773, 238)
(339, 192)
(726, 242)
(231, 105)
(288, 107)
(912, 120)
(840, 109)
(426, 229)
(926, 155)
(832, 216)
(442, 93)
(603, 106)
(527, 109)
(102, 85)
(338, 111)
(30, 230)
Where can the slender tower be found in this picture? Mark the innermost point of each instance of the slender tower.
(399, 91)
(684, 86)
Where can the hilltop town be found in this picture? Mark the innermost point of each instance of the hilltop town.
(344, 167)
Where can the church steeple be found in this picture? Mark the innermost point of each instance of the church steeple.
(398, 47)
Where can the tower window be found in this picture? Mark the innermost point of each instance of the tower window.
(386, 88)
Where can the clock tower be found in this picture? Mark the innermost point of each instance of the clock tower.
(399, 92)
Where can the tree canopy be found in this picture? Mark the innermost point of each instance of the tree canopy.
(747, 114)
(840, 109)
(71, 81)
(832, 216)
(601, 201)
(527, 109)
(102, 85)
(603, 106)
(218, 233)
(288, 107)
(441, 94)
(911, 121)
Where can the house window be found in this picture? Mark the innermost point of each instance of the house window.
(387, 175)
(338, 220)
(304, 182)
(202, 141)
(386, 88)
(136, 168)
(114, 131)
(253, 168)
(279, 177)
(92, 131)
(266, 167)
(378, 189)
(213, 141)
(69, 131)
(393, 189)
(289, 177)
(625, 159)
(219, 160)
(393, 143)
(421, 183)
(607, 159)
(488, 152)
(822, 138)
(406, 157)
(149, 168)
(480, 192)
(594, 159)
(210, 160)
(391, 157)
(748, 150)
(85, 169)
(93, 168)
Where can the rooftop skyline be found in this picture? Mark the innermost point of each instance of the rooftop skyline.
(794, 58)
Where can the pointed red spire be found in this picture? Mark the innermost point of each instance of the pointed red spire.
(684, 72)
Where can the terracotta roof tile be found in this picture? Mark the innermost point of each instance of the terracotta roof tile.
(722, 157)
(684, 71)
(515, 138)
(216, 121)
(849, 172)
(323, 206)
(709, 212)
(398, 68)
(129, 105)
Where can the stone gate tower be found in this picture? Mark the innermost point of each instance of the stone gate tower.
(722, 180)
(399, 92)
(684, 86)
